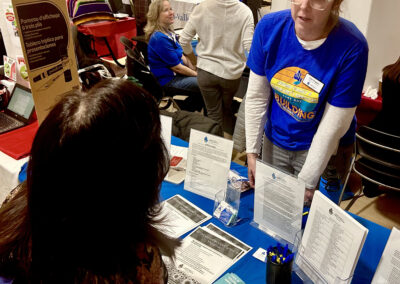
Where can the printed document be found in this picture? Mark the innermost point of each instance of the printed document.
(278, 202)
(208, 162)
(205, 255)
(179, 151)
(166, 130)
(180, 216)
(177, 169)
(388, 270)
(331, 243)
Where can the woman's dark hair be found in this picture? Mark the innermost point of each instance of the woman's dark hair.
(391, 72)
(387, 118)
(94, 176)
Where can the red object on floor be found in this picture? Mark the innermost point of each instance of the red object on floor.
(112, 31)
(368, 109)
(17, 143)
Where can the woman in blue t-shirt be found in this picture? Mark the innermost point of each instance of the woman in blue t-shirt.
(308, 67)
(174, 71)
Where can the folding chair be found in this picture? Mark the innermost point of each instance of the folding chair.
(137, 67)
(377, 162)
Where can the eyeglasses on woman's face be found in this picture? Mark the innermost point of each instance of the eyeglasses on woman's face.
(320, 5)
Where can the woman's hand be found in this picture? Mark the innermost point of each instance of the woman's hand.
(308, 196)
(251, 167)
(183, 70)
(187, 62)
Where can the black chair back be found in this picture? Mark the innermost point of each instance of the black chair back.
(379, 157)
(137, 67)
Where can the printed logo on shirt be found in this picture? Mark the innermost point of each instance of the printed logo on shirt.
(293, 95)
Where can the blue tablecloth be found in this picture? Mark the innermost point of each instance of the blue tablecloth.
(252, 270)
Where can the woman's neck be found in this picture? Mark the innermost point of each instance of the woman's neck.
(310, 37)
(165, 28)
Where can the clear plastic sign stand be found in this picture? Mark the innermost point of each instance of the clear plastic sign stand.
(293, 247)
(278, 203)
(272, 234)
(227, 203)
(299, 250)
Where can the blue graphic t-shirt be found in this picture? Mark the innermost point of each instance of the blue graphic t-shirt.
(303, 81)
(164, 52)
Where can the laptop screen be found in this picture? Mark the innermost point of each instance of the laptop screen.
(21, 102)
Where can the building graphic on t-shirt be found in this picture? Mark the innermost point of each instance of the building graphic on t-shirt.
(292, 95)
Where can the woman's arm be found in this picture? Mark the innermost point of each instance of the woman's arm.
(183, 70)
(334, 124)
(248, 31)
(339, 112)
(257, 100)
(188, 32)
(187, 62)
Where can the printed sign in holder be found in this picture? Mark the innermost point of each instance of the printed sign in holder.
(270, 230)
(303, 276)
(48, 48)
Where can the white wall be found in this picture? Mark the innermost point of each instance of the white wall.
(357, 11)
(379, 21)
(383, 37)
(278, 5)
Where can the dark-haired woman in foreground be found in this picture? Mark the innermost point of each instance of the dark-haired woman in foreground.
(87, 211)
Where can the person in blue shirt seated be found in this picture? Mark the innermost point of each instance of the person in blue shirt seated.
(88, 210)
(174, 71)
(308, 67)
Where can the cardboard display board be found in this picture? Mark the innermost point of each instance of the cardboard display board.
(48, 49)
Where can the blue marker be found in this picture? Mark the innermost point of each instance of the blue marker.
(285, 251)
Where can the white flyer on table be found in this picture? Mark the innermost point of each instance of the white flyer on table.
(331, 243)
(208, 162)
(278, 202)
(179, 151)
(181, 216)
(203, 257)
(177, 169)
(166, 130)
(388, 270)
(221, 233)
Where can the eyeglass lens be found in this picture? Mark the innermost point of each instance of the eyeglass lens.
(315, 4)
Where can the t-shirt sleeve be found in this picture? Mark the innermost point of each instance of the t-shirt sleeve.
(165, 49)
(257, 55)
(347, 88)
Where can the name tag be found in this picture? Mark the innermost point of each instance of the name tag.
(313, 83)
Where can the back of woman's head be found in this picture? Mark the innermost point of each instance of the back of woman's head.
(391, 93)
(391, 72)
(96, 166)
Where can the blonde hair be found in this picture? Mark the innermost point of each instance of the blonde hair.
(153, 24)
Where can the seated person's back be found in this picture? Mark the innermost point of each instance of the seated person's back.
(87, 211)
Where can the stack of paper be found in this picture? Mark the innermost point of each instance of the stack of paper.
(180, 216)
(331, 243)
(278, 202)
(389, 266)
(205, 255)
(177, 170)
(208, 162)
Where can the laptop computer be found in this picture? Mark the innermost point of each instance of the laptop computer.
(19, 109)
